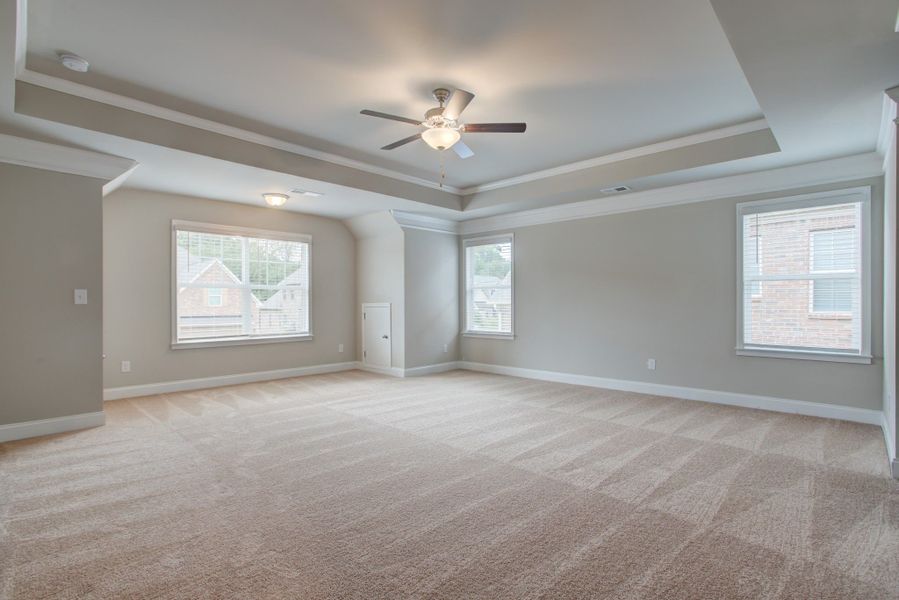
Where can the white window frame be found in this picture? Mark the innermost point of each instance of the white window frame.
(861, 195)
(193, 226)
(823, 314)
(220, 294)
(481, 241)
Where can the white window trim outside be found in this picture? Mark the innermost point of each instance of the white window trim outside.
(245, 232)
(478, 241)
(811, 289)
(861, 195)
(219, 295)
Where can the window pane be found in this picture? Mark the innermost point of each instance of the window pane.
(804, 289)
(489, 283)
(231, 286)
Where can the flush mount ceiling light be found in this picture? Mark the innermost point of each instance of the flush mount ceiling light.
(275, 199)
(73, 62)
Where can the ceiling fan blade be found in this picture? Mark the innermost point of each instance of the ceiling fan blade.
(462, 150)
(374, 113)
(457, 103)
(495, 127)
(402, 142)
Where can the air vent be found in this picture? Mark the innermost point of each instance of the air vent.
(616, 190)
(307, 193)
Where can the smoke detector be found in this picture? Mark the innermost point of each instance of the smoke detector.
(619, 189)
(73, 62)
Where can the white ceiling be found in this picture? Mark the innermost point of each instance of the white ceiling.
(589, 77)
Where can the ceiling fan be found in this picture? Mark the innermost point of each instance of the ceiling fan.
(442, 128)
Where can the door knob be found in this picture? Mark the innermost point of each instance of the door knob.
(383, 337)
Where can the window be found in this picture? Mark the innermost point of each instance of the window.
(488, 286)
(807, 295)
(213, 297)
(236, 285)
(831, 252)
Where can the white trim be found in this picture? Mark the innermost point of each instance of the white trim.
(408, 220)
(239, 341)
(431, 369)
(887, 121)
(114, 184)
(498, 238)
(21, 49)
(849, 168)
(806, 355)
(182, 385)
(664, 146)
(488, 336)
(62, 159)
(267, 234)
(784, 405)
(860, 195)
(890, 445)
(391, 371)
(139, 106)
(29, 429)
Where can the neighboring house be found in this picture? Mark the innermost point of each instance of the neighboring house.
(286, 310)
(492, 300)
(802, 313)
(207, 311)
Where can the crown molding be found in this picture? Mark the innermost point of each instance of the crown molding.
(848, 168)
(887, 122)
(72, 88)
(21, 35)
(62, 159)
(408, 220)
(672, 144)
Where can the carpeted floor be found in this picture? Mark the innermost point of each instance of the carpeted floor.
(459, 485)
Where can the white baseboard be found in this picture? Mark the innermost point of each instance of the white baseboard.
(29, 429)
(392, 371)
(801, 407)
(430, 369)
(890, 440)
(181, 385)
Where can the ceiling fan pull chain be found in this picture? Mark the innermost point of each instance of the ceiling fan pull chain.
(442, 171)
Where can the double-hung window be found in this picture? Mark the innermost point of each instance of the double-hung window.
(488, 286)
(237, 285)
(808, 294)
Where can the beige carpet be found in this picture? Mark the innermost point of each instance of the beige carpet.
(459, 485)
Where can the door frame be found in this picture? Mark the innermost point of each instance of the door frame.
(389, 329)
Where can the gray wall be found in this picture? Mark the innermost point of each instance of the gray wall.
(432, 297)
(600, 296)
(137, 283)
(50, 244)
(380, 276)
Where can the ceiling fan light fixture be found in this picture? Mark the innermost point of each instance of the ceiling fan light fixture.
(275, 199)
(440, 138)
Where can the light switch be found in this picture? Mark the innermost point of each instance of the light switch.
(80, 296)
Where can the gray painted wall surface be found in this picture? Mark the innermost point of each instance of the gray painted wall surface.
(600, 296)
(381, 275)
(50, 244)
(137, 282)
(432, 297)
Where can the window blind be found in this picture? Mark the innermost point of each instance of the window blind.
(488, 286)
(234, 283)
(802, 276)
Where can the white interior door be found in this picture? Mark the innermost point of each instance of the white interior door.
(376, 335)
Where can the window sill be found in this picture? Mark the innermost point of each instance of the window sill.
(240, 341)
(823, 316)
(489, 336)
(806, 355)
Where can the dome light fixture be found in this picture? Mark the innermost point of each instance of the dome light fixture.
(275, 200)
(440, 137)
(73, 62)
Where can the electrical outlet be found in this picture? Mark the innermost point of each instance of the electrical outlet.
(651, 364)
(340, 347)
(80, 296)
(126, 366)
